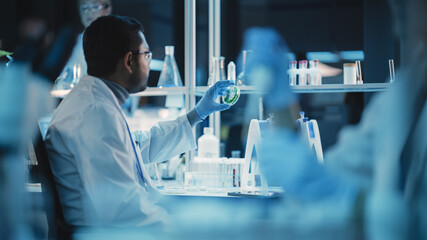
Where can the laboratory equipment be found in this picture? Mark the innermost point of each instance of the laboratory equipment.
(314, 73)
(217, 71)
(242, 78)
(169, 77)
(252, 179)
(359, 79)
(391, 69)
(309, 130)
(349, 73)
(208, 144)
(232, 93)
(302, 72)
(292, 72)
(69, 78)
(10, 60)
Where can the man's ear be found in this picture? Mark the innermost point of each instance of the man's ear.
(127, 62)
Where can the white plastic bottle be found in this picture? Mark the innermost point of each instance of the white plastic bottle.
(208, 144)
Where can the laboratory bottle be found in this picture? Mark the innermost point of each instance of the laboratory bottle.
(315, 74)
(169, 77)
(292, 72)
(208, 144)
(302, 72)
(232, 93)
(242, 78)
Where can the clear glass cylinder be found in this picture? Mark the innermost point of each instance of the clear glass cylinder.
(242, 78)
(292, 72)
(302, 72)
(169, 77)
(217, 72)
(314, 73)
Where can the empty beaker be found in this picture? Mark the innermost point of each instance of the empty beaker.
(217, 72)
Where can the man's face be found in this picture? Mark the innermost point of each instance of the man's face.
(90, 10)
(140, 68)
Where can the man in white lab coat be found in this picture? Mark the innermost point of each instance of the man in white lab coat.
(98, 169)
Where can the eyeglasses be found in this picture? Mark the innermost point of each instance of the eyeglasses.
(94, 7)
(148, 54)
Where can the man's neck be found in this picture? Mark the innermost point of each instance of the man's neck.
(119, 91)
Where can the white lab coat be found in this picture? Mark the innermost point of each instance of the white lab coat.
(93, 160)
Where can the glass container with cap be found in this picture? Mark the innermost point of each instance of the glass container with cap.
(242, 78)
(315, 74)
(169, 77)
(302, 74)
(292, 72)
(232, 93)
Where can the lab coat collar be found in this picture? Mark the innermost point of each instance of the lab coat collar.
(119, 91)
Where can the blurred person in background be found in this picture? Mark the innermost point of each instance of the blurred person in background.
(89, 11)
(382, 160)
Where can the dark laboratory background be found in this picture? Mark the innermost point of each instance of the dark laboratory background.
(328, 26)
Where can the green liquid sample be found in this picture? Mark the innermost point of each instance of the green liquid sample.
(232, 95)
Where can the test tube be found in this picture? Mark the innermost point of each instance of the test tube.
(302, 77)
(391, 69)
(359, 79)
(292, 73)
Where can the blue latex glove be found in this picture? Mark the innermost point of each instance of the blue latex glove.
(208, 105)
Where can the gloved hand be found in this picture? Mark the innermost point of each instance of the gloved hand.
(208, 105)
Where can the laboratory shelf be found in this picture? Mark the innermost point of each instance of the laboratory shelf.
(339, 88)
(325, 88)
(161, 91)
(243, 90)
(151, 91)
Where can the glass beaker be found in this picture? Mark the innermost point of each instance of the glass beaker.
(242, 78)
(217, 72)
(169, 77)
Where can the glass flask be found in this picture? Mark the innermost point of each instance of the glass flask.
(232, 93)
(68, 78)
(217, 72)
(169, 77)
(242, 78)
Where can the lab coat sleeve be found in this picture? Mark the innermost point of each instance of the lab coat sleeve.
(107, 166)
(166, 140)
